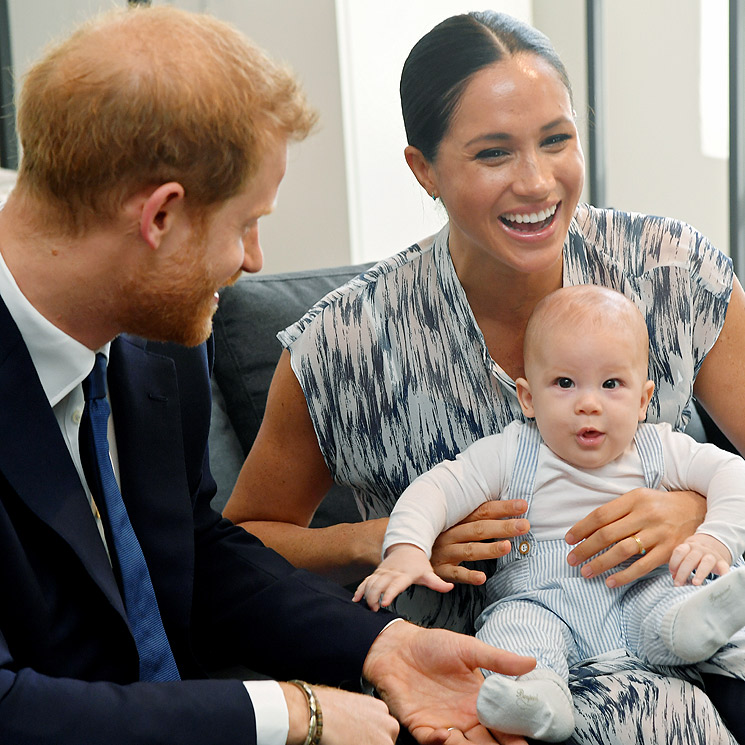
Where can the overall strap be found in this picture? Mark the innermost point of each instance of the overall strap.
(649, 446)
(522, 484)
(526, 463)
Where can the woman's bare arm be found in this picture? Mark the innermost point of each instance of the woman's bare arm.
(281, 484)
(720, 384)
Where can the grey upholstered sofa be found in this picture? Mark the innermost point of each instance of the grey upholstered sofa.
(246, 351)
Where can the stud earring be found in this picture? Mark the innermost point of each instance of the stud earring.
(434, 196)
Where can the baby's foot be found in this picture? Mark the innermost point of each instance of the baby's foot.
(697, 627)
(538, 705)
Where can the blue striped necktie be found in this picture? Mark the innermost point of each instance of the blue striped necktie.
(156, 658)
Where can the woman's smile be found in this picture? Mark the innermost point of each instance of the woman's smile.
(529, 222)
(510, 168)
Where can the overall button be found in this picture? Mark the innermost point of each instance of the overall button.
(524, 547)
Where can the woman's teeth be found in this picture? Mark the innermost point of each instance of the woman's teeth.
(532, 218)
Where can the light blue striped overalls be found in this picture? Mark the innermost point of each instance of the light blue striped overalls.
(542, 607)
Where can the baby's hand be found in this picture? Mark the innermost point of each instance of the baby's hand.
(404, 565)
(700, 553)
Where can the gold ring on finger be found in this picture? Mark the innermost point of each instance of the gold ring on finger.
(639, 543)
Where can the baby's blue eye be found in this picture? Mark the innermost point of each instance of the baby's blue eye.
(611, 383)
(564, 382)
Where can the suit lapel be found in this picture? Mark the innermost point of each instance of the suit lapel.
(33, 449)
(144, 394)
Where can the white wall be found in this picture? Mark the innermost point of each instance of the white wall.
(655, 159)
(655, 103)
(310, 227)
(34, 23)
(348, 195)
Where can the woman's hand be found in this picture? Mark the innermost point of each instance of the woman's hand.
(479, 536)
(642, 521)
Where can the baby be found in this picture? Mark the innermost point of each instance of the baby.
(586, 388)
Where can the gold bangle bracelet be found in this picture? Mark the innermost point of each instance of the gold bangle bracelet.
(315, 724)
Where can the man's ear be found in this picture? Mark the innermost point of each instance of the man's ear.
(422, 169)
(647, 391)
(158, 212)
(525, 397)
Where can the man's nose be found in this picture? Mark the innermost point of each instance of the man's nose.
(253, 256)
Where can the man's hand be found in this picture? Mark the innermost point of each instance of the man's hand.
(702, 554)
(347, 717)
(404, 565)
(479, 536)
(430, 679)
(661, 521)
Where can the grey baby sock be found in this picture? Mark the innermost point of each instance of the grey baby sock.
(538, 705)
(697, 627)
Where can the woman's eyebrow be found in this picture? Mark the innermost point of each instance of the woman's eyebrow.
(505, 136)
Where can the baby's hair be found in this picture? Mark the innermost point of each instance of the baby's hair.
(583, 306)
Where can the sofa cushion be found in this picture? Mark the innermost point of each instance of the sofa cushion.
(249, 316)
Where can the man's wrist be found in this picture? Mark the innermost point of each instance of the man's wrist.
(367, 681)
(315, 716)
(297, 711)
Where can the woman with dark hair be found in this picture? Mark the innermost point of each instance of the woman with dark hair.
(411, 362)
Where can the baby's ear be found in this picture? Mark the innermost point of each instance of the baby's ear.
(525, 397)
(647, 391)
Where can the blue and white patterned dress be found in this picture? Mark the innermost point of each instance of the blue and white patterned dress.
(398, 377)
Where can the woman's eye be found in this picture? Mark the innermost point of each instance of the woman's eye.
(612, 383)
(491, 153)
(564, 382)
(557, 139)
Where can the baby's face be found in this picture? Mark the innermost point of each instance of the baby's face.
(588, 390)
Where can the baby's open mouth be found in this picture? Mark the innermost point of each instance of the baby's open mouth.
(590, 436)
(529, 222)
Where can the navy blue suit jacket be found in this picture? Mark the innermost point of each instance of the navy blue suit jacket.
(68, 663)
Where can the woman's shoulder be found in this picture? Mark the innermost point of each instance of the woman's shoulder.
(642, 242)
(388, 278)
(615, 228)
